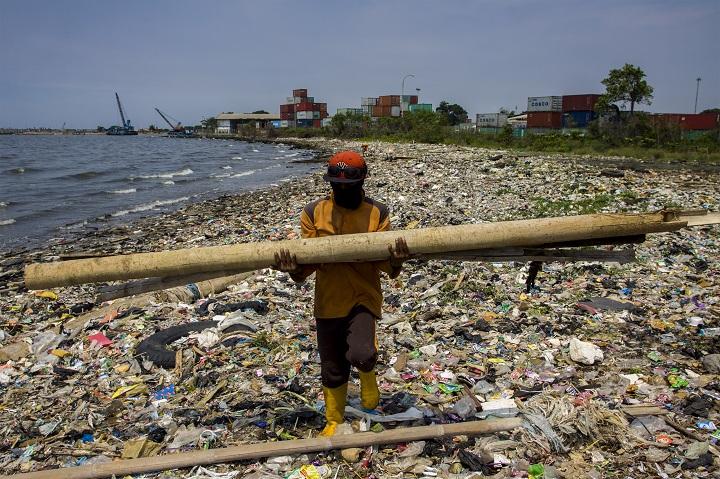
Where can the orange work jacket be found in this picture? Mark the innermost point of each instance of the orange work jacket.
(339, 287)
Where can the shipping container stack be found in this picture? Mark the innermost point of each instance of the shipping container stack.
(389, 105)
(578, 110)
(490, 122)
(544, 113)
(368, 105)
(301, 111)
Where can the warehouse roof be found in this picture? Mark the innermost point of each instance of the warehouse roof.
(248, 116)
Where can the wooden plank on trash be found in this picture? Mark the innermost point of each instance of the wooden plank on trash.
(271, 449)
(635, 410)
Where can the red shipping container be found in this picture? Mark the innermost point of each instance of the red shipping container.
(304, 106)
(382, 110)
(665, 119)
(300, 93)
(284, 115)
(389, 100)
(579, 102)
(413, 99)
(317, 123)
(699, 121)
(544, 119)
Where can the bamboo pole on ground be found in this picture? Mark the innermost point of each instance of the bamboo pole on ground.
(346, 248)
(271, 449)
(205, 288)
(107, 293)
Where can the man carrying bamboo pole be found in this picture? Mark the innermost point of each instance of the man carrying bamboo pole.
(348, 298)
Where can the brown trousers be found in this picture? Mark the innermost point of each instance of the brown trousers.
(345, 342)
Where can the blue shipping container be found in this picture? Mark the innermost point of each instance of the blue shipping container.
(577, 119)
(276, 123)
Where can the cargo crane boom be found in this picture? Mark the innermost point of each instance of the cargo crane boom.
(126, 128)
(177, 127)
(122, 114)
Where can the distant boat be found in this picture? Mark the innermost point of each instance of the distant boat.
(126, 128)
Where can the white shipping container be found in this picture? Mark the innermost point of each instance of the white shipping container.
(491, 120)
(326, 121)
(298, 99)
(304, 115)
(395, 111)
(368, 101)
(290, 99)
(283, 123)
(544, 103)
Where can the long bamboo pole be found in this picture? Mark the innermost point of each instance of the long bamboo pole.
(270, 449)
(346, 248)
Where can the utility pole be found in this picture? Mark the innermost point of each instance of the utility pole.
(697, 90)
(402, 92)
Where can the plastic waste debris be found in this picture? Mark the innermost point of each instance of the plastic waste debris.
(584, 352)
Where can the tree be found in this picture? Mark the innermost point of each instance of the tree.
(260, 112)
(711, 110)
(626, 85)
(454, 113)
(209, 123)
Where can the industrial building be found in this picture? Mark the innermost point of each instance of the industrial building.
(228, 123)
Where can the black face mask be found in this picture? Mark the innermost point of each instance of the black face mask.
(348, 196)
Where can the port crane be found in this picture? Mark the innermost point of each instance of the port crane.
(126, 128)
(175, 130)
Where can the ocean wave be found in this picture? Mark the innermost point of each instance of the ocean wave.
(228, 167)
(237, 157)
(72, 226)
(168, 182)
(84, 175)
(124, 192)
(150, 206)
(185, 172)
(20, 170)
(244, 173)
(4, 204)
(7, 222)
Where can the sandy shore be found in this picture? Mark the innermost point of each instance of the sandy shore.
(483, 328)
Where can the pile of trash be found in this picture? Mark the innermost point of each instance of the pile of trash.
(614, 369)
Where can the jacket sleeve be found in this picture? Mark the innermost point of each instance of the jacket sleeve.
(384, 266)
(308, 230)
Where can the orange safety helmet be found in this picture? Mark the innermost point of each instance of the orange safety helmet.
(346, 167)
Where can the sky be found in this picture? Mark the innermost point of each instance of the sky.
(61, 62)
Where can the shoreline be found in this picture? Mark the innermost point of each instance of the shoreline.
(449, 320)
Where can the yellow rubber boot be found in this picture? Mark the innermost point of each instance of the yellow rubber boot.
(369, 393)
(334, 408)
